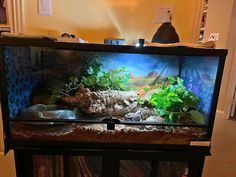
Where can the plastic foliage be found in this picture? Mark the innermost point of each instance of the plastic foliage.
(113, 79)
(67, 89)
(174, 102)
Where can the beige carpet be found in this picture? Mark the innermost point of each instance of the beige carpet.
(7, 167)
(222, 163)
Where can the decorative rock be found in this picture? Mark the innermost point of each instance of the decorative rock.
(137, 117)
(126, 102)
(98, 102)
(140, 114)
(134, 105)
(129, 116)
(118, 107)
(48, 112)
(145, 114)
(154, 119)
(132, 99)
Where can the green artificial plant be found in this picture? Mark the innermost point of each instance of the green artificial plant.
(94, 79)
(174, 102)
(113, 79)
(65, 89)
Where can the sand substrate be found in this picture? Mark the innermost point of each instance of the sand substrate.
(98, 133)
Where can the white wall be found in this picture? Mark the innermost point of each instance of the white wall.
(219, 19)
(94, 20)
(231, 45)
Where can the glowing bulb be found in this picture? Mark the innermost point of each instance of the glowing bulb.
(137, 44)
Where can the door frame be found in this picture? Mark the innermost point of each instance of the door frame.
(14, 13)
(231, 61)
(196, 24)
(231, 87)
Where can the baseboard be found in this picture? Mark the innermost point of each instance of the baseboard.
(220, 114)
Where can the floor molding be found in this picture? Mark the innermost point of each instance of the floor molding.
(220, 114)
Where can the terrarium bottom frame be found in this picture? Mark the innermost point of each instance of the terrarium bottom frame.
(98, 133)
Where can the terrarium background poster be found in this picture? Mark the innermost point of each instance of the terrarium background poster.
(19, 77)
(199, 74)
(142, 70)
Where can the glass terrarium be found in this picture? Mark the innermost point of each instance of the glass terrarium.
(98, 93)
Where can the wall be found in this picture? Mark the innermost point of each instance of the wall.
(7, 167)
(95, 20)
(231, 64)
(219, 19)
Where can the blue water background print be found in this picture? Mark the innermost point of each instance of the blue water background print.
(20, 78)
(199, 75)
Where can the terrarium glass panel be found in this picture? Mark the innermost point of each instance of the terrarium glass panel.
(48, 166)
(85, 166)
(70, 166)
(87, 86)
(199, 75)
(133, 168)
(172, 169)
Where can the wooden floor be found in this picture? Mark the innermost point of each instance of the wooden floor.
(222, 163)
